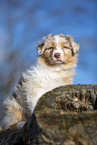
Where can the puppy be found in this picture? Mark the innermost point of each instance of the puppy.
(55, 67)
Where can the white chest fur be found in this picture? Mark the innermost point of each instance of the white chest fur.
(42, 78)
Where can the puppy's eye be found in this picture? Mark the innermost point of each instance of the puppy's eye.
(65, 47)
(51, 48)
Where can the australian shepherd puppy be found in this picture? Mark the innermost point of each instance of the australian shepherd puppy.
(55, 67)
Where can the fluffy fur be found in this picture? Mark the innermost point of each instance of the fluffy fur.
(55, 67)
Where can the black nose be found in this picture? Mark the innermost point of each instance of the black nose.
(57, 55)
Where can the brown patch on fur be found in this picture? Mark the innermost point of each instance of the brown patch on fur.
(17, 113)
(71, 60)
(13, 115)
(53, 44)
(46, 58)
(50, 43)
(68, 56)
(64, 43)
(41, 59)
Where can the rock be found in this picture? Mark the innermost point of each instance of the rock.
(64, 116)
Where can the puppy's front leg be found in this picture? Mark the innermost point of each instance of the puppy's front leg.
(32, 100)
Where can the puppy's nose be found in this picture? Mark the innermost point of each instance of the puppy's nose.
(57, 55)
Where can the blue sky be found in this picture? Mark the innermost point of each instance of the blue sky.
(24, 23)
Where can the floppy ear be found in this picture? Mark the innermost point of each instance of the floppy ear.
(40, 48)
(75, 46)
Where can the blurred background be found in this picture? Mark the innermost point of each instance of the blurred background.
(23, 23)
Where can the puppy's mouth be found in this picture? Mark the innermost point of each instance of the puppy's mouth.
(56, 61)
(59, 61)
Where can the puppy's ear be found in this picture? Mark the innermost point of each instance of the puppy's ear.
(75, 46)
(47, 37)
(40, 48)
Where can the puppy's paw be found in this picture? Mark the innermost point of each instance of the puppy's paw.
(21, 124)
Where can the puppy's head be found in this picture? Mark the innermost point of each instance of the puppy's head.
(58, 49)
